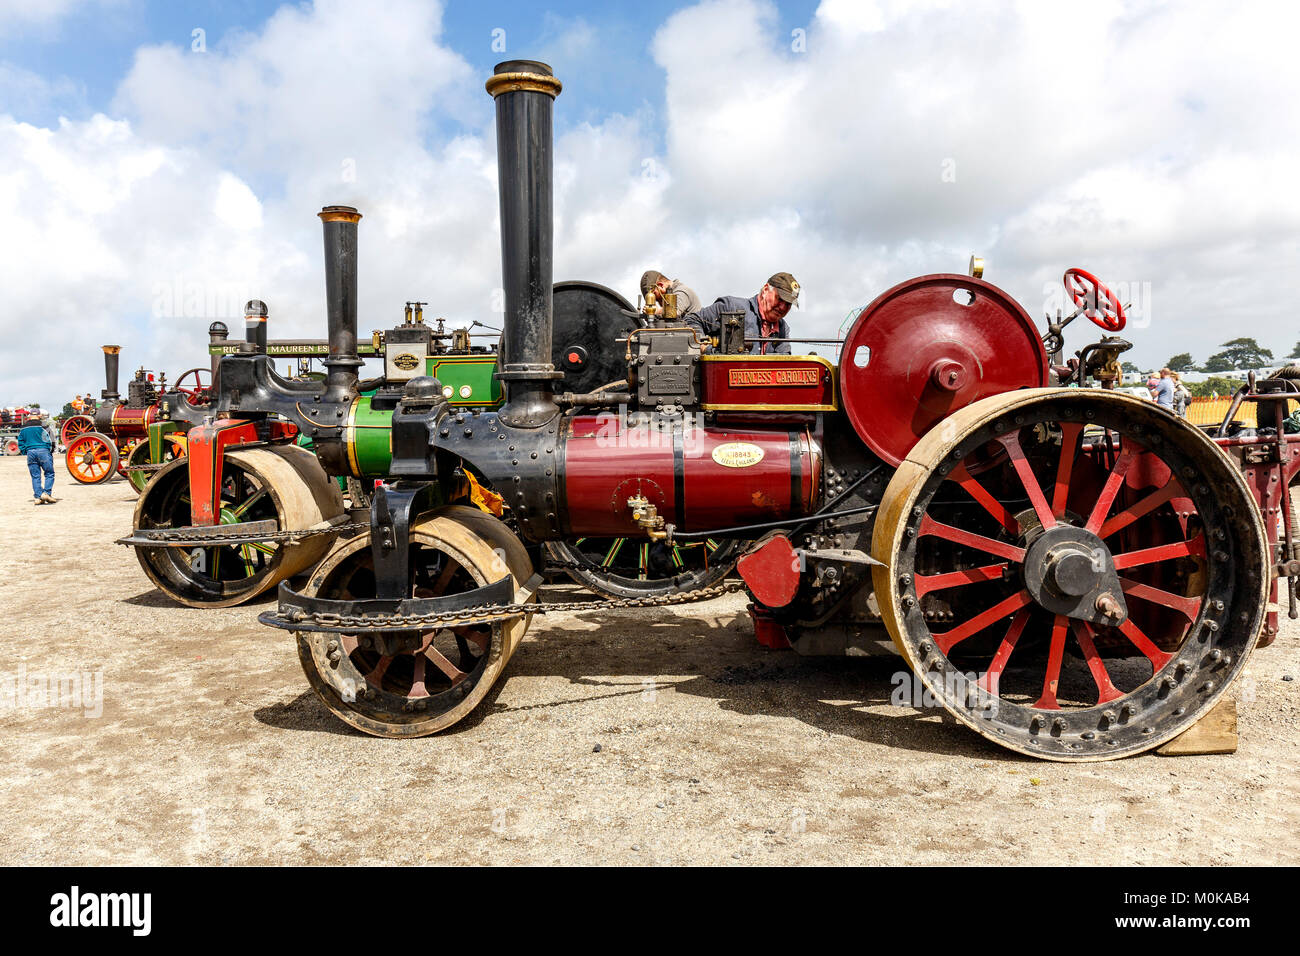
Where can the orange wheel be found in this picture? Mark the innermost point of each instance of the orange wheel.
(74, 426)
(92, 458)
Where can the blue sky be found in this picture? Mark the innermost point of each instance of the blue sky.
(93, 47)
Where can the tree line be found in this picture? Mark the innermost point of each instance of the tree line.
(1240, 354)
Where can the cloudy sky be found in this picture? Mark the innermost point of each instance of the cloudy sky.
(163, 162)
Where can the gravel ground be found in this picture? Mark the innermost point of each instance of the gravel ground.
(211, 749)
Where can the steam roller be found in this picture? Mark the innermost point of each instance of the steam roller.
(1074, 574)
(267, 491)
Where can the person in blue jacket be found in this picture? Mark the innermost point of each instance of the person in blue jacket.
(37, 442)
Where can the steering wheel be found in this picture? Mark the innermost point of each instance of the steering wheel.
(198, 393)
(1099, 303)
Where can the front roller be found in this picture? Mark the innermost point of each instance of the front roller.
(1076, 575)
(438, 676)
(281, 488)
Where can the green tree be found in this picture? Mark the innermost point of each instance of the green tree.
(1242, 353)
(1295, 352)
(1128, 368)
(1212, 386)
(1182, 362)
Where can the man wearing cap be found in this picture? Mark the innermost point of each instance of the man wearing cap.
(688, 300)
(36, 441)
(764, 315)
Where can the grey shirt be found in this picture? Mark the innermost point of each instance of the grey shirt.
(688, 300)
(709, 322)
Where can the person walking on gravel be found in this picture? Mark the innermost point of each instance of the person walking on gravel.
(36, 441)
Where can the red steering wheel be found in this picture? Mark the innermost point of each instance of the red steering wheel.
(198, 393)
(1099, 303)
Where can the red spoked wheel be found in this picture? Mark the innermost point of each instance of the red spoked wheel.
(1098, 302)
(200, 391)
(11, 446)
(92, 458)
(74, 426)
(1091, 591)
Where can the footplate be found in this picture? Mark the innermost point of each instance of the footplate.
(493, 602)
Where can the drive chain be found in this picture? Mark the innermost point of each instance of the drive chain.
(492, 613)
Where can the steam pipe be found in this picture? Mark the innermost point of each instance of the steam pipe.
(525, 92)
(341, 365)
(110, 393)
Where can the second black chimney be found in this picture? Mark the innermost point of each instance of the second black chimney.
(255, 312)
(110, 373)
(341, 301)
(525, 92)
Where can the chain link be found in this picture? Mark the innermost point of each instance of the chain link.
(491, 613)
(252, 537)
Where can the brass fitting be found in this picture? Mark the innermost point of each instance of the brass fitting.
(647, 516)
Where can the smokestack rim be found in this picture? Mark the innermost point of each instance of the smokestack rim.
(339, 214)
(523, 76)
(111, 349)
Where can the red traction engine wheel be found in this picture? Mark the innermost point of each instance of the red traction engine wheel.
(1073, 573)
(92, 458)
(73, 426)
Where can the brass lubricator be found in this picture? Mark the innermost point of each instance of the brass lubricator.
(647, 516)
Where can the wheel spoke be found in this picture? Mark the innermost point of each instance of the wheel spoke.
(1144, 644)
(1106, 690)
(1052, 676)
(969, 538)
(1163, 552)
(613, 552)
(375, 675)
(997, 612)
(1111, 488)
(1011, 442)
(990, 679)
(986, 500)
(1123, 519)
(243, 507)
(1188, 607)
(417, 678)
(1070, 432)
(925, 583)
(454, 673)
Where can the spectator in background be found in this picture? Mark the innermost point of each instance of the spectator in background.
(1181, 395)
(1164, 392)
(36, 442)
(1152, 381)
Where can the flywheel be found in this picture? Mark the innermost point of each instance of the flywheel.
(1074, 574)
(928, 347)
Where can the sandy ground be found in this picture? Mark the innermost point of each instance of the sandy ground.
(210, 747)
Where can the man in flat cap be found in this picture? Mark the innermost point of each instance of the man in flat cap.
(764, 315)
(688, 300)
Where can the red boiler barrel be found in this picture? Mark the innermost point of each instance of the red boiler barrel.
(697, 477)
(132, 422)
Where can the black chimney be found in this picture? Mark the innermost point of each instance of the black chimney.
(217, 335)
(255, 325)
(341, 301)
(110, 373)
(525, 92)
